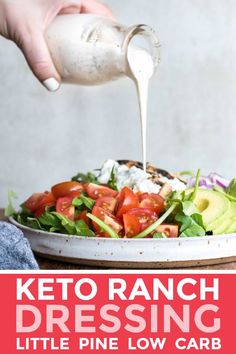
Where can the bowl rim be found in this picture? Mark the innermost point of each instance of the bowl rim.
(124, 240)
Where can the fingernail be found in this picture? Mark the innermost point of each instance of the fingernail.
(51, 84)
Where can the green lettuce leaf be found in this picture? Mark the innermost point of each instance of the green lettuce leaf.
(231, 190)
(10, 210)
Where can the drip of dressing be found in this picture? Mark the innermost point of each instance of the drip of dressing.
(142, 69)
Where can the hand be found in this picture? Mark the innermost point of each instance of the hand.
(25, 21)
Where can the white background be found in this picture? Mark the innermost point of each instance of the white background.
(46, 138)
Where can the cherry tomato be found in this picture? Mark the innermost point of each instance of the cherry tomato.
(131, 225)
(152, 201)
(96, 191)
(107, 203)
(107, 218)
(102, 234)
(39, 200)
(73, 195)
(48, 199)
(144, 218)
(83, 216)
(63, 189)
(32, 202)
(39, 211)
(127, 200)
(168, 229)
(64, 207)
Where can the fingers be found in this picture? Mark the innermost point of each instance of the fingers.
(86, 6)
(69, 7)
(96, 7)
(38, 57)
(60, 7)
(70, 10)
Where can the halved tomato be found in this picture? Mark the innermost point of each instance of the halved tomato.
(131, 225)
(107, 218)
(137, 220)
(107, 203)
(83, 216)
(152, 201)
(96, 191)
(169, 230)
(75, 194)
(63, 189)
(64, 207)
(127, 200)
(38, 201)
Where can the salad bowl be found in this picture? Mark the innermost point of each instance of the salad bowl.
(125, 217)
(132, 253)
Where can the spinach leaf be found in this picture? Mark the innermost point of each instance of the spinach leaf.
(85, 178)
(186, 213)
(159, 235)
(190, 225)
(66, 223)
(82, 229)
(34, 223)
(54, 222)
(54, 229)
(31, 222)
(79, 227)
(188, 208)
(48, 219)
(112, 181)
(88, 203)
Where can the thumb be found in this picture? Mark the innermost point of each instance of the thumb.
(37, 54)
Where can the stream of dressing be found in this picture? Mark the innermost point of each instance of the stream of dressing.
(142, 69)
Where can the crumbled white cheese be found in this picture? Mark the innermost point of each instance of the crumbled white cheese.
(175, 183)
(135, 178)
(106, 170)
(147, 186)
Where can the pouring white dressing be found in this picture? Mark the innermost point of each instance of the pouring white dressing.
(142, 69)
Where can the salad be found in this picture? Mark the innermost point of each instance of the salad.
(121, 200)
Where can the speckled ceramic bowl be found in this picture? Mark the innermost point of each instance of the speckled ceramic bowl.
(132, 253)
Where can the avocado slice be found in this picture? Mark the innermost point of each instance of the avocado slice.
(213, 206)
(232, 228)
(225, 223)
